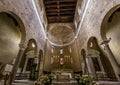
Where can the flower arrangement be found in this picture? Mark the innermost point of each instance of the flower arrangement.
(46, 79)
(85, 80)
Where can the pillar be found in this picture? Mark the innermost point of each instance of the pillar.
(84, 64)
(101, 65)
(90, 67)
(25, 65)
(38, 69)
(41, 63)
(112, 60)
(17, 62)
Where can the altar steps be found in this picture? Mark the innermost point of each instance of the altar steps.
(65, 83)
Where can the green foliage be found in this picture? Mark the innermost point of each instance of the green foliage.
(46, 79)
(84, 80)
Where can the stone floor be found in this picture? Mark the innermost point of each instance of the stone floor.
(20, 82)
(109, 83)
(75, 83)
(26, 82)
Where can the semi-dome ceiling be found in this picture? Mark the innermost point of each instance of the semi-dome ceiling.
(61, 34)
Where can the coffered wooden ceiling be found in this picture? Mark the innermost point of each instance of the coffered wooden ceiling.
(60, 11)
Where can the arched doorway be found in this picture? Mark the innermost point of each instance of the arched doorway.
(12, 34)
(30, 59)
(110, 32)
(101, 68)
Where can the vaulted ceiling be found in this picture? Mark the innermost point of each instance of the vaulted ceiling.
(60, 11)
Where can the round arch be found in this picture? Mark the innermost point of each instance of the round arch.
(92, 43)
(12, 34)
(32, 45)
(30, 51)
(97, 55)
(30, 57)
(110, 28)
(21, 24)
(106, 19)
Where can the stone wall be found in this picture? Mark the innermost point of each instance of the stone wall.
(92, 22)
(92, 25)
(25, 10)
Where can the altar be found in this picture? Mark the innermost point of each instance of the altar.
(62, 75)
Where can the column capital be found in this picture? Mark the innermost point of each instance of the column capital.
(22, 46)
(105, 42)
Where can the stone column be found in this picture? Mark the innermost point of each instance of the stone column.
(17, 62)
(112, 60)
(90, 67)
(93, 73)
(101, 66)
(39, 65)
(25, 65)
